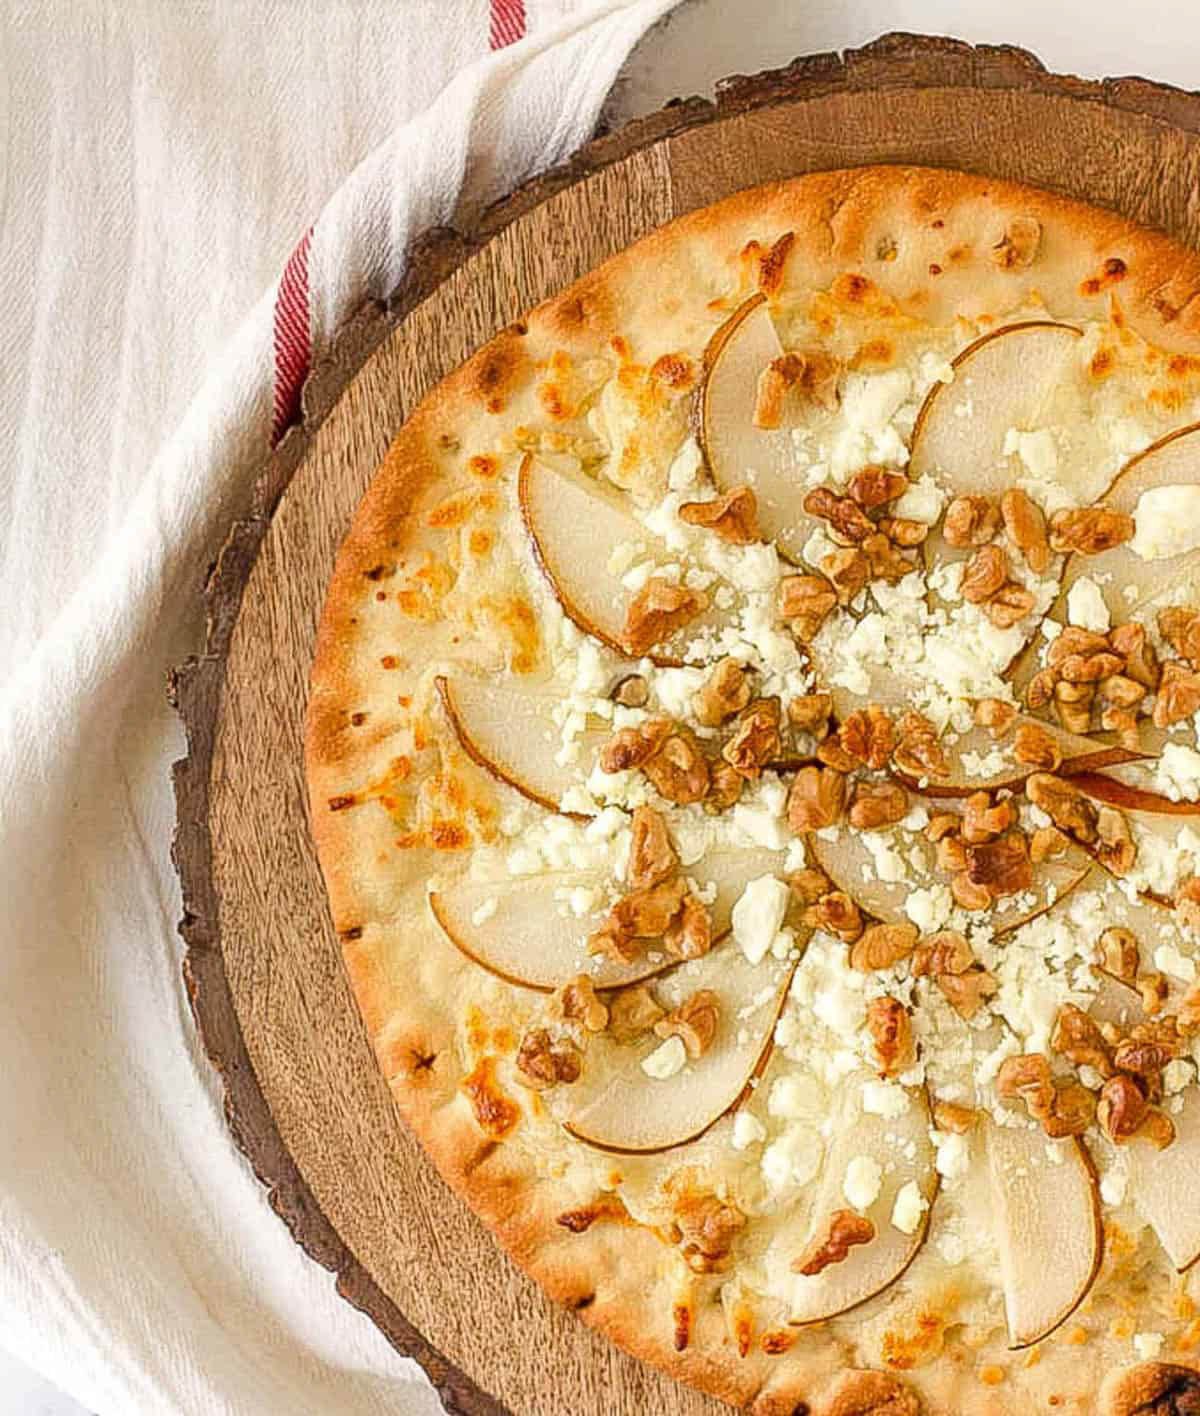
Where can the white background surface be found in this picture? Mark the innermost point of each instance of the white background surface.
(710, 38)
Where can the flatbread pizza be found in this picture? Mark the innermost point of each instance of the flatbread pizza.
(753, 761)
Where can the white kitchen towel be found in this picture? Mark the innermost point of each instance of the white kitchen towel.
(157, 163)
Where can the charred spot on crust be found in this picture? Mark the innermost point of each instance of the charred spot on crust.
(389, 661)
(771, 265)
(340, 803)
(349, 935)
(585, 1300)
(1115, 268)
(802, 1408)
(934, 268)
(379, 572)
(481, 1156)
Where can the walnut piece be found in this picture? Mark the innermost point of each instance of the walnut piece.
(1065, 805)
(918, 752)
(805, 601)
(971, 521)
(986, 572)
(1116, 849)
(576, 1002)
(1119, 953)
(875, 805)
(1036, 747)
(1047, 843)
(903, 532)
(756, 739)
(656, 612)
(724, 787)
(1078, 1038)
(631, 747)
(809, 377)
(1141, 659)
(707, 1227)
(689, 935)
(816, 799)
(874, 486)
(946, 952)
(1089, 530)
(733, 516)
(1061, 1110)
(891, 1032)
(835, 913)
(967, 992)
(882, 945)
(1002, 866)
(1073, 705)
(810, 713)
(678, 770)
(846, 1229)
(846, 518)
(633, 1012)
(995, 715)
(631, 691)
(868, 737)
(848, 571)
(984, 821)
(543, 1062)
(723, 693)
(1011, 603)
(950, 1116)
(652, 857)
(695, 1021)
(1179, 625)
(1178, 695)
(1121, 1109)
(886, 560)
(1026, 526)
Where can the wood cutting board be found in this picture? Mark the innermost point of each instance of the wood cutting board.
(263, 967)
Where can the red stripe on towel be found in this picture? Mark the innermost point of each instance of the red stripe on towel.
(508, 22)
(293, 339)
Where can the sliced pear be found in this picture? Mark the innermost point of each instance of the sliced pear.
(526, 932)
(851, 866)
(737, 452)
(617, 1106)
(512, 736)
(1048, 1227)
(1117, 786)
(903, 1150)
(1164, 1185)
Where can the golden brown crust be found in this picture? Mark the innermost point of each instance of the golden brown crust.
(1152, 1389)
(929, 243)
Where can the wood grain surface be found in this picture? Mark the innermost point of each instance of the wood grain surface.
(263, 967)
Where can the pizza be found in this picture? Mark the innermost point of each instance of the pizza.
(752, 755)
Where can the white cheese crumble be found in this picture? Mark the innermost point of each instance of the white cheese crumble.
(1168, 960)
(923, 501)
(1177, 772)
(1166, 522)
(1086, 606)
(793, 1158)
(1113, 1186)
(758, 915)
(862, 1182)
(882, 1098)
(1148, 1345)
(953, 1157)
(482, 913)
(908, 1208)
(1036, 450)
(929, 907)
(748, 1131)
(666, 1061)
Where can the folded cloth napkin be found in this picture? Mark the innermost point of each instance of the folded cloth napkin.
(157, 162)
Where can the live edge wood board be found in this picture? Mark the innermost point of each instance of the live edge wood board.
(262, 967)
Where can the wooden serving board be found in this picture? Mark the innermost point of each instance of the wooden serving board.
(263, 968)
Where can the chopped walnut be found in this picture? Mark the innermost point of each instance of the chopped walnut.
(883, 945)
(1002, 866)
(1121, 691)
(756, 739)
(835, 913)
(633, 1012)
(809, 885)
(678, 770)
(1188, 1017)
(805, 601)
(1027, 1078)
(887, 562)
(689, 935)
(1075, 642)
(1152, 989)
(942, 824)
(652, 857)
(1026, 526)
(966, 992)
(903, 532)
(1073, 1111)
(816, 799)
(1065, 805)
(846, 518)
(810, 377)
(632, 747)
(1089, 668)
(656, 612)
(968, 894)
(1178, 695)
(971, 521)
(946, 952)
(984, 821)
(1143, 1058)
(810, 713)
(1089, 530)
(1036, 747)
(723, 693)
(1122, 1108)
(846, 1229)
(733, 516)
(951, 854)
(1073, 705)
(631, 691)
(725, 786)
(875, 486)
(1116, 849)
(695, 1021)
(891, 1035)
(848, 571)
(1047, 843)
(1018, 247)
(576, 1002)
(995, 715)
(986, 572)
(918, 752)
(875, 805)
(1040, 689)
(1141, 660)
(1119, 953)
(1078, 1038)
(1011, 603)
(949, 1116)
(707, 1227)
(1125, 724)
(1179, 625)
(543, 1062)
(831, 753)
(868, 737)
(646, 913)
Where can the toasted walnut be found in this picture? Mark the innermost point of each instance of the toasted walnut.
(867, 735)
(656, 612)
(1073, 705)
(968, 894)
(576, 1002)
(1089, 530)
(1119, 953)
(1027, 1078)
(949, 1116)
(733, 516)
(848, 571)
(631, 747)
(891, 1035)
(805, 601)
(1002, 866)
(652, 857)
(903, 532)
(942, 824)
(756, 739)
(1075, 642)
(1152, 989)
(836, 913)
(810, 713)
(1018, 247)
(946, 952)
(816, 799)
(831, 753)
(723, 693)
(918, 752)
(887, 562)
(995, 715)
(1187, 1019)
(1089, 668)
(647, 913)
(725, 786)
(689, 935)
(808, 377)
(1047, 843)
(844, 515)
(695, 1021)
(967, 992)
(1121, 691)
(1158, 1129)
(874, 486)
(1124, 723)
(971, 521)
(951, 854)
(1152, 1389)
(707, 1228)
(631, 691)
(1011, 603)
(986, 572)
(1078, 1038)
(1178, 695)
(1064, 804)
(1040, 689)
(1122, 1108)
(984, 821)
(809, 885)
(1179, 625)
(633, 1012)
(846, 1229)
(678, 770)
(883, 945)
(543, 1062)
(1116, 849)
(1073, 1111)
(1144, 1059)
(1026, 526)
(875, 805)
(1036, 747)
(1141, 662)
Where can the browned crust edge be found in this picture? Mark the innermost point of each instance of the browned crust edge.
(895, 60)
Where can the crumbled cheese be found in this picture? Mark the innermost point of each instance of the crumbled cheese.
(923, 501)
(1036, 450)
(953, 1157)
(1166, 522)
(863, 1181)
(795, 1095)
(748, 1131)
(1177, 772)
(1086, 606)
(1168, 960)
(908, 1208)
(482, 913)
(666, 1060)
(929, 907)
(675, 689)
(1148, 1345)
(686, 466)
(758, 915)
(869, 404)
(882, 1098)
(1177, 1074)
(793, 1158)
(1113, 1186)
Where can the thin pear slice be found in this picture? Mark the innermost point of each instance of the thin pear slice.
(1048, 1227)
(1118, 786)
(512, 736)
(526, 932)
(1164, 1185)
(617, 1106)
(903, 1150)
(737, 452)
(853, 868)
(573, 529)
(1013, 377)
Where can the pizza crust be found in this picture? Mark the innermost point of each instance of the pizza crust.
(926, 240)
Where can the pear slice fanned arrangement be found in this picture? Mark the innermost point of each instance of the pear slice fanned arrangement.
(1165, 1185)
